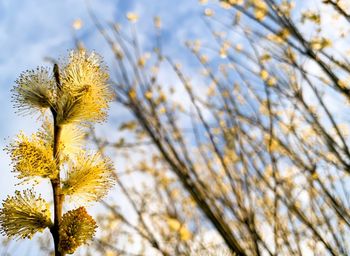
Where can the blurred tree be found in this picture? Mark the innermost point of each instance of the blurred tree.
(252, 156)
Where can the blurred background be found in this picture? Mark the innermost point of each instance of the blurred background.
(230, 128)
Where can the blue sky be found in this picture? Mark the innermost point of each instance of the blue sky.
(31, 30)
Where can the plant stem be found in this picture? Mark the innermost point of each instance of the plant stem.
(56, 182)
(57, 195)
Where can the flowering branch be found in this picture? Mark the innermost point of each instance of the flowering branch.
(77, 93)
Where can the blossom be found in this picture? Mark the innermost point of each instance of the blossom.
(132, 17)
(236, 2)
(71, 138)
(76, 93)
(85, 93)
(77, 227)
(24, 214)
(264, 74)
(260, 9)
(32, 156)
(77, 24)
(34, 91)
(89, 177)
(271, 81)
(157, 22)
(177, 226)
(208, 12)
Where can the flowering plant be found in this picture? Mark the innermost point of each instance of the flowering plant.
(71, 97)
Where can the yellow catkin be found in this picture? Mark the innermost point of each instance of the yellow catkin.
(260, 9)
(77, 228)
(157, 22)
(264, 74)
(32, 157)
(132, 17)
(24, 214)
(176, 226)
(34, 91)
(85, 93)
(89, 177)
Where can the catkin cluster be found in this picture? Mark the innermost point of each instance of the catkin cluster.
(73, 95)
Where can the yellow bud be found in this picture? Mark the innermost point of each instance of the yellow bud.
(204, 59)
(77, 24)
(208, 12)
(132, 17)
(148, 95)
(132, 94)
(239, 47)
(235, 2)
(264, 74)
(271, 81)
(225, 5)
(157, 22)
